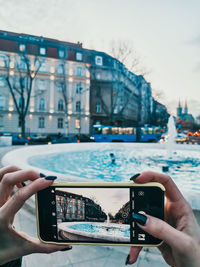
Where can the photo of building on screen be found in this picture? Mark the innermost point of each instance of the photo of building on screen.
(82, 218)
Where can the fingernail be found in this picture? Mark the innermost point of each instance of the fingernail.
(134, 176)
(23, 184)
(65, 249)
(127, 259)
(140, 218)
(51, 178)
(42, 175)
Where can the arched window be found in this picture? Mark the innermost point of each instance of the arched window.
(41, 104)
(60, 105)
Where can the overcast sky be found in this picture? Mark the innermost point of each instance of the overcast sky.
(110, 199)
(164, 34)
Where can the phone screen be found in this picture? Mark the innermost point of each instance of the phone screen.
(97, 214)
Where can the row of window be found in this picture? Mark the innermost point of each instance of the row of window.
(62, 54)
(42, 105)
(79, 71)
(60, 123)
(41, 85)
(43, 52)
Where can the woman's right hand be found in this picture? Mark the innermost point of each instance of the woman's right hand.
(180, 230)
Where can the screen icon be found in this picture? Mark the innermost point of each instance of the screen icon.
(141, 237)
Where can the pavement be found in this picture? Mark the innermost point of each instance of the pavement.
(79, 256)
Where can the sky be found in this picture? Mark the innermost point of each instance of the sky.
(165, 35)
(110, 199)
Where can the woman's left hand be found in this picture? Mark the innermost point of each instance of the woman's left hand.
(15, 244)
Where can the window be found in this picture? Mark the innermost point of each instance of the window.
(61, 53)
(78, 88)
(42, 66)
(60, 105)
(78, 106)
(60, 69)
(2, 61)
(42, 51)
(60, 123)
(98, 108)
(98, 76)
(2, 102)
(2, 81)
(79, 71)
(22, 82)
(1, 121)
(22, 47)
(19, 122)
(77, 124)
(98, 60)
(79, 56)
(22, 64)
(41, 84)
(41, 122)
(59, 86)
(41, 104)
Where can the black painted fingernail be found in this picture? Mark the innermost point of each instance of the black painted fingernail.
(140, 218)
(65, 249)
(42, 175)
(134, 176)
(127, 259)
(51, 178)
(23, 184)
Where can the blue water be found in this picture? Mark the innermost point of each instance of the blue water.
(95, 165)
(124, 231)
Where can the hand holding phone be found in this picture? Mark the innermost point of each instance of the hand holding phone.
(180, 231)
(99, 214)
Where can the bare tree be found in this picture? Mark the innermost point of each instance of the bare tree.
(21, 72)
(125, 52)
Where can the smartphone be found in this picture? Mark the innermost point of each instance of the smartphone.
(97, 213)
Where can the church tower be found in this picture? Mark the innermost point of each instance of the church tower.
(179, 109)
(186, 108)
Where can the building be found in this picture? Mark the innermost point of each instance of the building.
(114, 93)
(49, 86)
(75, 207)
(54, 74)
(159, 114)
(184, 120)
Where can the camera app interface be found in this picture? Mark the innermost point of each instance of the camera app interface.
(93, 215)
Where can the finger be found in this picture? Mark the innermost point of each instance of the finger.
(8, 169)
(14, 178)
(36, 246)
(9, 209)
(172, 191)
(134, 253)
(163, 231)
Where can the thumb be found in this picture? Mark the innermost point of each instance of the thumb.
(160, 229)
